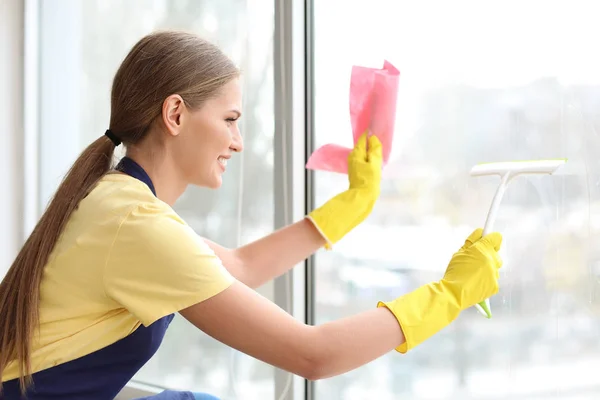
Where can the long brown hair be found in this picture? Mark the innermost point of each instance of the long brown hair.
(159, 65)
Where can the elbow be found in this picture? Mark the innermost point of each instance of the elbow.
(234, 264)
(312, 370)
(315, 364)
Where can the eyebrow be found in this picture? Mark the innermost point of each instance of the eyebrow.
(239, 113)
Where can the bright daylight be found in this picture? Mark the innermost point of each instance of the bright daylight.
(299, 200)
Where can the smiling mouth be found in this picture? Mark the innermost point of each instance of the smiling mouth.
(222, 161)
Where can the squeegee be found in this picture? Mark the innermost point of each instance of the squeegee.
(507, 171)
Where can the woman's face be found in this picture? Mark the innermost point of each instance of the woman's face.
(207, 137)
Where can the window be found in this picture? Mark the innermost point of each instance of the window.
(81, 46)
(479, 83)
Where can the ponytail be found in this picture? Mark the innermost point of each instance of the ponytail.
(20, 288)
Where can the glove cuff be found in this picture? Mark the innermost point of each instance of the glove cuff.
(341, 214)
(422, 313)
(328, 244)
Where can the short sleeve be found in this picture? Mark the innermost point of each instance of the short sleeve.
(158, 265)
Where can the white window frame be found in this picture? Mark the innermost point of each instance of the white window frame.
(31, 99)
(11, 117)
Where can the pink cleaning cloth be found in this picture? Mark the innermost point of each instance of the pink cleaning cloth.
(373, 95)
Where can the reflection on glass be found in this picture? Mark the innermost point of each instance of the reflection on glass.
(478, 83)
(237, 213)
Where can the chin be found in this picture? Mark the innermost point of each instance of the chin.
(215, 183)
(209, 181)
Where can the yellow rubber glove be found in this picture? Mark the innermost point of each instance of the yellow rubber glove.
(341, 214)
(472, 276)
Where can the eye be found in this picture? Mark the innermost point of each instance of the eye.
(231, 120)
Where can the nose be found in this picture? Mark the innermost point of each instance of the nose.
(237, 144)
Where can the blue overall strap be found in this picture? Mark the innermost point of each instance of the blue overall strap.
(133, 169)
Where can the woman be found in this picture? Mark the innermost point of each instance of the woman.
(90, 295)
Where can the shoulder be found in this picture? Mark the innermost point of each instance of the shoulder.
(142, 225)
(157, 264)
(150, 222)
(151, 238)
(131, 201)
(111, 201)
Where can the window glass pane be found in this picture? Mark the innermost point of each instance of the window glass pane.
(479, 83)
(82, 44)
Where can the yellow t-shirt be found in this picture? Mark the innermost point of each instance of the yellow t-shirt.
(124, 259)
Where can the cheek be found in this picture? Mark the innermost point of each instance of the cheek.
(204, 142)
(220, 139)
(192, 142)
(192, 151)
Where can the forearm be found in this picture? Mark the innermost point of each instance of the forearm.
(351, 342)
(245, 320)
(273, 255)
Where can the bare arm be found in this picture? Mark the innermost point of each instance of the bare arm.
(271, 256)
(260, 261)
(246, 321)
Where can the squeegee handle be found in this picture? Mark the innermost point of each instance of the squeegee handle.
(491, 217)
(484, 306)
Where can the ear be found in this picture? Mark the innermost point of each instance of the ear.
(173, 110)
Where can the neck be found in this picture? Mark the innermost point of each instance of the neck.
(164, 175)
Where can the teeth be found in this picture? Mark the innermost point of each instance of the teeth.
(222, 161)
